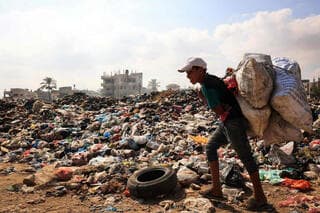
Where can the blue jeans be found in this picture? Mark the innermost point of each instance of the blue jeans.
(232, 131)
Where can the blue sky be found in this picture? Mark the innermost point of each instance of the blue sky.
(168, 14)
(75, 41)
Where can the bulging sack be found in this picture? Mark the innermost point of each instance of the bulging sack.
(255, 83)
(288, 64)
(263, 59)
(279, 131)
(258, 118)
(290, 100)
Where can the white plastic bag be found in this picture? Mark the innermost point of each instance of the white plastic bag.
(258, 118)
(279, 131)
(255, 84)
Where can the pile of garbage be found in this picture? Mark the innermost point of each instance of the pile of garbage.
(91, 146)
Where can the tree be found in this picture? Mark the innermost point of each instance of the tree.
(315, 92)
(48, 84)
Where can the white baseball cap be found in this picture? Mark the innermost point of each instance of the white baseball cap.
(193, 62)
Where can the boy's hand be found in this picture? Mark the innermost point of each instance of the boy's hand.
(224, 116)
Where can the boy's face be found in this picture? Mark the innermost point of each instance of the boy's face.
(195, 75)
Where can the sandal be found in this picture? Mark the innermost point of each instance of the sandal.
(207, 193)
(254, 205)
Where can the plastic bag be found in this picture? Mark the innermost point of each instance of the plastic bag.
(231, 176)
(277, 156)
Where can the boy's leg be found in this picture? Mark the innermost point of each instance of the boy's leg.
(257, 188)
(217, 139)
(216, 185)
(237, 135)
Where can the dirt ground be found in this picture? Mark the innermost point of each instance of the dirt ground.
(71, 202)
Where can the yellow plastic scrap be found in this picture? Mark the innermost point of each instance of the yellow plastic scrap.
(33, 126)
(199, 139)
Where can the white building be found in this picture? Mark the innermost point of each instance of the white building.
(121, 84)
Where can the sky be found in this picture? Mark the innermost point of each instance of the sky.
(76, 41)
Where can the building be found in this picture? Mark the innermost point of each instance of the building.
(307, 86)
(63, 91)
(173, 87)
(46, 96)
(121, 84)
(312, 88)
(19, 93)
(153, 85)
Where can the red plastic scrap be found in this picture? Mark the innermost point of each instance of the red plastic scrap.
(314, 143)
(177, 108)
(298, 199)
(116, 137)
(188, 108)
(232, 84)
(302, 185)
(314, 210)
(126, 192)
(55, 143)
(64, 173)
(26, 153)
(43, 164)
(77, 179)
(96, 147)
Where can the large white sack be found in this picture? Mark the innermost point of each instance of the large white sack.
(255, 84)
(288, 64)
(279, 131)
(290, 100)
(263, 59)
(258, 118)
(259, 57)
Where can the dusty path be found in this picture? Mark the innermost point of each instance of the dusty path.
(71, 202)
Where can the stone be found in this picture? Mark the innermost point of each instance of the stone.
(198, 205)
(29, 180)
(45, 176)
(37, 200)
(195, 186)
(26, 189)
(187, 176)
(167, 204)
(311, 175)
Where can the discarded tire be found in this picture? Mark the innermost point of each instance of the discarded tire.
(152, 181)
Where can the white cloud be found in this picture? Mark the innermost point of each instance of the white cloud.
(275, 33)
(75, 46)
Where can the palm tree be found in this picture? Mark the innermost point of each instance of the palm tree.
(48, 84)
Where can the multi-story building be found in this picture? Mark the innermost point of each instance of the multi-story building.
(121, 84)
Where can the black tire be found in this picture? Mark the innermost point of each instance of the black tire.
(152, 181)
